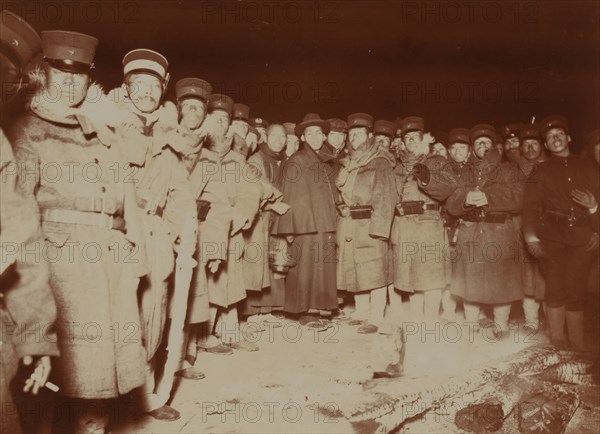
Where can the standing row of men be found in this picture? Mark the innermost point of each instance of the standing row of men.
(113, 179)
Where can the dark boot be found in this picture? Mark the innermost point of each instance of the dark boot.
(556, 323)
(575, 330)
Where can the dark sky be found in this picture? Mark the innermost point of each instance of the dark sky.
(455, 62)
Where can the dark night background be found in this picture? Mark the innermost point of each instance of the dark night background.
(457, 63)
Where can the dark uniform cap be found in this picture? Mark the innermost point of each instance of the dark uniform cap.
(289, 128)
(217, 101)
(412, 123)
(192, 87)
(312, 120)
(511, 130)
(480, 130)
(19, 38)
(143, 60)
(459, 135)
(363, 120)
(69, 51)
(530, 131)
(259, 123)
(387, 128)
(254, 131)
(553, 121)
(338, 125)
(241, 112)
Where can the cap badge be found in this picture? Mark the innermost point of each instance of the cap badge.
(71, 52)
(15, 42)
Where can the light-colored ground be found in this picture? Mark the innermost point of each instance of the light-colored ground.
(305, 382)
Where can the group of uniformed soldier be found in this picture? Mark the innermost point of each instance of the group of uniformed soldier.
(287, 219)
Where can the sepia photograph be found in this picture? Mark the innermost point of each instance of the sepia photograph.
(300, 216)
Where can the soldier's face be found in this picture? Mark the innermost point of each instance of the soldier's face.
(252, 141)
(276, 138)
(357, 136)
(221, 120)
(382, 141)
(557, 140)
(240, 127)
(412, 140)
(193, 112)
(531, 149)
(145, 91)
(511, 144)
(336, 139)
(481, 146)
(459, 152)
(68, 88)
(314, 137)
(292, 143)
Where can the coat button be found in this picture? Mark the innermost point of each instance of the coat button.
(569, 179)
(96, 160)
(103, 189)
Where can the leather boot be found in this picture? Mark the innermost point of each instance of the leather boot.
(556, 323)
(575, 330)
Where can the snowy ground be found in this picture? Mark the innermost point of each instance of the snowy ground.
(301, 381)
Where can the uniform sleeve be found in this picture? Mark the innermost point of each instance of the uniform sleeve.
(28, 297)
(384, 199)
(532, 202)
(455, 204)
(248, 196)
(506, 194)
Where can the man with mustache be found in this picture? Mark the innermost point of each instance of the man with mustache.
(487, 268)
(560, 226)
(163, 194)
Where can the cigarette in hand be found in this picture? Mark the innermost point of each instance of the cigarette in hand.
(53, 387)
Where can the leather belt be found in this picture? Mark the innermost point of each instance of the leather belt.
(74, 217)
(361, 212)
(488, 217)
(564, 219)
(108, 205)
(144, 204)
(415, 207)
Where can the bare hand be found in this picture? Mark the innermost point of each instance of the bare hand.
(476, 198)
(213, 265)
(39, 376)
(280, 207)
(584, 198)
(593, 243)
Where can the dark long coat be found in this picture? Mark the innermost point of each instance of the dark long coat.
(488, 261)
(309, 191)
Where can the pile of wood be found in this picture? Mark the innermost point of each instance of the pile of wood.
(531, 383)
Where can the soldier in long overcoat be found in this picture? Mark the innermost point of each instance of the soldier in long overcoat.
(487, 269)
(368, 193)
(224, 184)
(419, 241)
(146, 131)
(92, 237)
